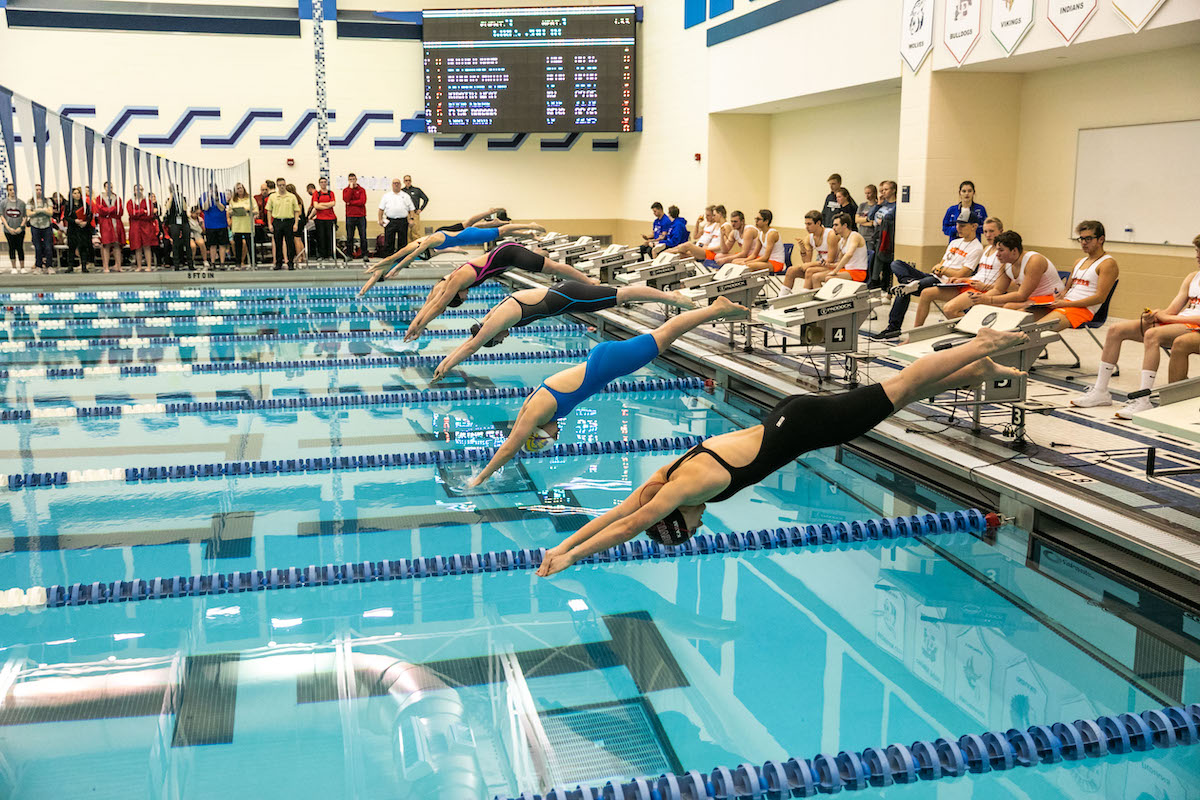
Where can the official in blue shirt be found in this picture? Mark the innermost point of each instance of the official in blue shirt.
(658, 233)
(678, 232)
(966, 199)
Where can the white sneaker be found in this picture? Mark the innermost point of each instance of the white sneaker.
(24, 270)
(1135, 407)
(1091, 398)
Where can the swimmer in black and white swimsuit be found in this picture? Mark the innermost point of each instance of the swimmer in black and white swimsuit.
(452, 290)
(670, 505)
(529, 305)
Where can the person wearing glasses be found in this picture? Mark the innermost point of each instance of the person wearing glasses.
(1092, 278)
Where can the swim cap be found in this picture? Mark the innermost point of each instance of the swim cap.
(670, 530)
(502, 215)
(476, 328)
(538, 440)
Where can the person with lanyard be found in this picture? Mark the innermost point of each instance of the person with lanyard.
(12, 214)
(214, 203)
(658, 229)
(355, 198)
(396, 210)
(538, 422)
(448, 242)
(78, 217)
(966, 203)
(40, 217)
(283, 211)
(419, 200)
(669, 506)
(325, 217)
(241, 224)
(530, 305)
(109, 210)
(179, 229)
(143, 229)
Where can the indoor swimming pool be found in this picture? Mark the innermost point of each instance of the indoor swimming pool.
(325, 445)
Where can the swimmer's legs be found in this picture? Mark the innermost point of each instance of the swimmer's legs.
(956, 366)
(677, 326)
(645, 294)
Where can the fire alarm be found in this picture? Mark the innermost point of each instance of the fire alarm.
(697, 156)
(291, 162)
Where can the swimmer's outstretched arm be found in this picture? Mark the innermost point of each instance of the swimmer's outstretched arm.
(615, 526)
(435, 304)
(430, 242)
(469, 222)
(495, 322)
(521, 430)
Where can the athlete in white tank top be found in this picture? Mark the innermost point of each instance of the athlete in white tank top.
(1083, 283)
(1050, 285)
(989, 268)
(1191, 306)
(776, 253)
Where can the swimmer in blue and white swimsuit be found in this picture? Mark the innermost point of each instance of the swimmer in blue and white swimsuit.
(530, 305)
(557, 396)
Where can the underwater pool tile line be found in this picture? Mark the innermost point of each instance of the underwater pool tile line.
(225, 367)
(966, 522)
(1130, 735)
(221, 469)
(247, 338)
(652, 385)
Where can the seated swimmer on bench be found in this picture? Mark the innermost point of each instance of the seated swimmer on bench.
(817, 249)
(708, 240)
(1172, 327)
(989, 278)
(1182, 350)
(851, 264)
(770, 247)
(452, 290)
(537, 423)
(670, 505)
(733, 243)
(1032, 278)
(529, 305)
(1092, 278)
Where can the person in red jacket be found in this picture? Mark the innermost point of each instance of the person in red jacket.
(109, 211)
(143, 230)
(355, 198)
(323, 202)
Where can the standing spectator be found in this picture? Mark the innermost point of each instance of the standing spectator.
(966, 201)
(846, 206)
(885, 236)
(143, 229)
(301, 227)
(262, 231)
(216, 224)
(832, 206)
(355, 198)
(326, 220)
(658, 229)
(241, 223)
(283, 210)
(865, 218)
(154, 229)
(109, 210)
(179, 229)
(196, 234)
(396, 210)
(12, 208)
(40, 217)
(420, 200)
(78, 218)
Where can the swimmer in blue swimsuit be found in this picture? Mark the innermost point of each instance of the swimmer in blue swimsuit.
(452, 289)
(530, 305)
(445, 241)
(537, 423)
(670, 505)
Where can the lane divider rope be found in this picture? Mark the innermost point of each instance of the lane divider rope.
(298, 318)
(334, 400)
(469, 455)
(965, 521)
(283, 291)
(992, 751)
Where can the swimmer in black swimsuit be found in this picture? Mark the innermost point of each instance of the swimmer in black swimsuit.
(529, 305)
(484, 220)
(452, 289)
(669, 506)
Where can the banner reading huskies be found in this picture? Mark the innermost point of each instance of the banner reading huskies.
(916, 32)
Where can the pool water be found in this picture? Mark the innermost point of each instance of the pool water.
(475, 685)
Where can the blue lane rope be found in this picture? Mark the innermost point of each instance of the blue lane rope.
(469, 455)
(965, 521)
(285, 291)
(247, 338)
(997, 751)
(364, 400)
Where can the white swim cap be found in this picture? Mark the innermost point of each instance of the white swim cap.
(538, 440)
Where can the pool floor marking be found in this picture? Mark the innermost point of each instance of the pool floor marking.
(208, 700)
(147, 701)
(635, 643)
(438, 519)
(230, 535)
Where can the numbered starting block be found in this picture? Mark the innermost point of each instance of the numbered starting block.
(1177, 414)
(664, 272)
(828, 317)
(734, 281)
(928, 338)
(570, 252)
(607, 262)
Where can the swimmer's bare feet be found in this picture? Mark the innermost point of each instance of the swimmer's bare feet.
(724, 308)
(680, 300)
(994, 340)
(999, 372)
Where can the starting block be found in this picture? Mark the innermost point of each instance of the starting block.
(1178, 414)
(828, 317)
(570, 252)
(605, 263)
(666, 270)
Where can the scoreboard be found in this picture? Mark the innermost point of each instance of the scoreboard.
(530, 70)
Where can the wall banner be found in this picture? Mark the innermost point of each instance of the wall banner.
(916, 32)
(961, 26)
(1011, 20)
(1136, 12)
(1070, 16)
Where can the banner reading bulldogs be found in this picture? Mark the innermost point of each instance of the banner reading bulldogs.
(1136, 12)
(1069, 16)
(1011, 20)
(962, 23)
(916, 32)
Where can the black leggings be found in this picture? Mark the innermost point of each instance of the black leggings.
(16, 245)
(80, 240)
(568, 296)
(242, 242)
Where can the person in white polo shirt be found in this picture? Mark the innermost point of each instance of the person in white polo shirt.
(395, 210)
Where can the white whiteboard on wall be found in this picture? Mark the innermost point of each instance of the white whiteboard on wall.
(1140, 181)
